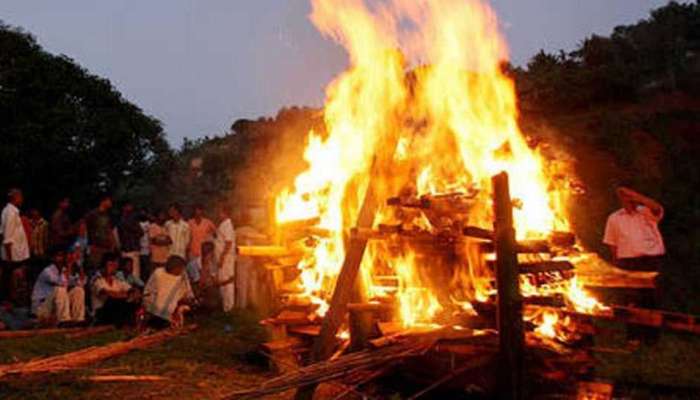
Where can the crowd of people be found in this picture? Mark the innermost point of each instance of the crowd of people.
(140, 268)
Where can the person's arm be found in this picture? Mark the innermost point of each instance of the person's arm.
(8, 232)
(657, 210)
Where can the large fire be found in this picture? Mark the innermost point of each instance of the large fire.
(430, 74)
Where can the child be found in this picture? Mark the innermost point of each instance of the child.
(126, 273)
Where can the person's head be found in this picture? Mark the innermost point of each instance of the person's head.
(105, 202)
(175, 212)
(64, 204)
(207, 249)
(34, 214)
(110, 264)
(126, 265)
(625, 200)
(127, 208)
(175, 265)
(15, 197)
(224, 211)
(198, 211)
(82, 228)
(73, 254)
(58, 256)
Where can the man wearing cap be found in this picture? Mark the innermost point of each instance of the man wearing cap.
(15, 246)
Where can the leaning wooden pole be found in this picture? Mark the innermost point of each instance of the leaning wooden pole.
(510, 305)
(346, 283)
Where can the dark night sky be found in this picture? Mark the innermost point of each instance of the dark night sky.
(199, 65)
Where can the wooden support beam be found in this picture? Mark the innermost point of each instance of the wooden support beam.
(347, 281)
(510, 306)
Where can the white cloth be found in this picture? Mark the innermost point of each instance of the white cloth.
(99, 284)
(634, 233)
(135, 257)
(225, 233)
(164, 291)
(179, 233)
(13, 232)
(64, 304)
(145, 241)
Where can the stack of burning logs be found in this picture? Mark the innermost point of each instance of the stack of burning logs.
(490, 335)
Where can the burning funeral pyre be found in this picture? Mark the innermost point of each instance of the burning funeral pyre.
(393, 223)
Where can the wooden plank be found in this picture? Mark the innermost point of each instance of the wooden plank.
(510, 307)
(478, 233)
(305, 330)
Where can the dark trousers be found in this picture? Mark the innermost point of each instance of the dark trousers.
(8, 284)
(117, 312)
(647, 298)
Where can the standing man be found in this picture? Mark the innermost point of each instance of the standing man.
(632, 232)
(15, 246)
(40, 234)
(99, 229)
(225, 255)
(130, 234)
(61, 230)
(179, 231)
(201, 229)
(159, 241)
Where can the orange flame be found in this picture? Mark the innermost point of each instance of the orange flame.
(429, 72)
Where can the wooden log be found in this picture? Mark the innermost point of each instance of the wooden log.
(475, 232)
(264, 251)
(538, 267)
(510, 307)
(523, 247)
(305, 330)
(125, 378)
(360, 321)
(89, 355)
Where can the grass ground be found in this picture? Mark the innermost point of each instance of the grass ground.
(215, 360)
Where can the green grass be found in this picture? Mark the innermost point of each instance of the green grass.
(207, 363)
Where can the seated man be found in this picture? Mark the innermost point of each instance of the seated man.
(167, 294)
(57, 296)
(114, 301)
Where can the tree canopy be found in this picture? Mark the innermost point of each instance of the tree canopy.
(66, 132)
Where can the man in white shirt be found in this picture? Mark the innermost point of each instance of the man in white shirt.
(225, 256)
(632, 232)
(57, 295)
(15, 246)
(179, 231)
(166, 294)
